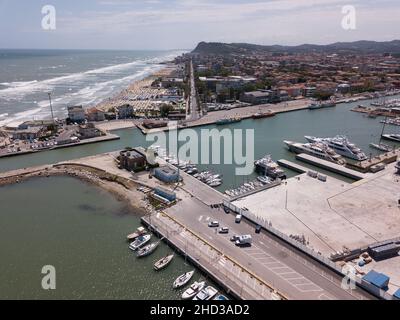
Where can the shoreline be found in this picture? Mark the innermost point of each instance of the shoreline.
(119, 187)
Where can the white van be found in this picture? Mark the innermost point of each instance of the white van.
(238, 218)
(244, 240)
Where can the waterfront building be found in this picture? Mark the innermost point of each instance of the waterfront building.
(94, 114)
(132, 160)
(31, 133)
(76, 114)
(258, 97)
(125, 111)
(88, 131)
(309, 91)
(166, 174)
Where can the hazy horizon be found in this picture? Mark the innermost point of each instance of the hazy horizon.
(167, 25)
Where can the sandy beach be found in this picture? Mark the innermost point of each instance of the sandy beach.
(140, 94)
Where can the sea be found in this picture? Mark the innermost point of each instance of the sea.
(73, 77)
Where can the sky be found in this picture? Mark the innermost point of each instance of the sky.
(181, 24)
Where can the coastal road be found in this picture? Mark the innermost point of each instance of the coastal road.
(193, 113)
(285, 268)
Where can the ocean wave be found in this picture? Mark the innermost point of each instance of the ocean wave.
(88, 94)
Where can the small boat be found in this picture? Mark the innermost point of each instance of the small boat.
(206, 294)
(264, 179)
(182, 280)
(147, 250)
(194, 289)
(163, 263)
(215, 183)
(139, 232)
(381, 147)
(221, 297)
(140, 242)
(260, 115)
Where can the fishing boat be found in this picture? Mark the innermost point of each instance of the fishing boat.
(183, 280)
(392, 137)
(139, 232)
(194, 289)
(206, 294)
(321, 105)
(163, 263)
(147, 250)
(140, 242)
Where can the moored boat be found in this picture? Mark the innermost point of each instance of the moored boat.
(341, 145)
(228, 121)
(261, 115)
(147, 250)
(163, 263)
(183, 280)
(266, 166)
(318, 150)
(206, 294)
(392, 137)
(221, 297)
(140, 242)
(139, 232)
(194, 289)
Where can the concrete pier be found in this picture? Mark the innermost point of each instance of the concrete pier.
(292, 166)
(330, 166)
(230, 275)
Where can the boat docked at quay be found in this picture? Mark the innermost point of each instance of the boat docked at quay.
(318, 150)
(206, 294)
(147, 250)
(163, 263)
(140, 242)
(194, 289)
(228, 121)
(266, 166)
(321, 105)
(342, 146)
(261, 115)
(392, 137)
(139, 232)
(183, 280)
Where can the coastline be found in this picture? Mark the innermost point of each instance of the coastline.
(121, 188)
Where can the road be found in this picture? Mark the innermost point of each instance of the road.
(193, 113)
(288, 270)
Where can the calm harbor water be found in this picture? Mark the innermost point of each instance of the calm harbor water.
(269, 136)
(80, 230)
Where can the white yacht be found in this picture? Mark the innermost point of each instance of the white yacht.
(266, 166)
(342, 146)
(318, 150)
(194, 289)
(393, 137)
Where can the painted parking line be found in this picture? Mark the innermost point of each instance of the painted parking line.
(271, 265)
(299, 281)
(308, 288)
(291, 275)
(283, 271)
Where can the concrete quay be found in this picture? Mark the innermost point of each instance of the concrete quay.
(224, 270)
(330, 166)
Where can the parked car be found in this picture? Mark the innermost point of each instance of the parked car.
(234, 238)
(245, 240)
(213, 224)
(224, 230)
(258, 229)
(238, 218)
